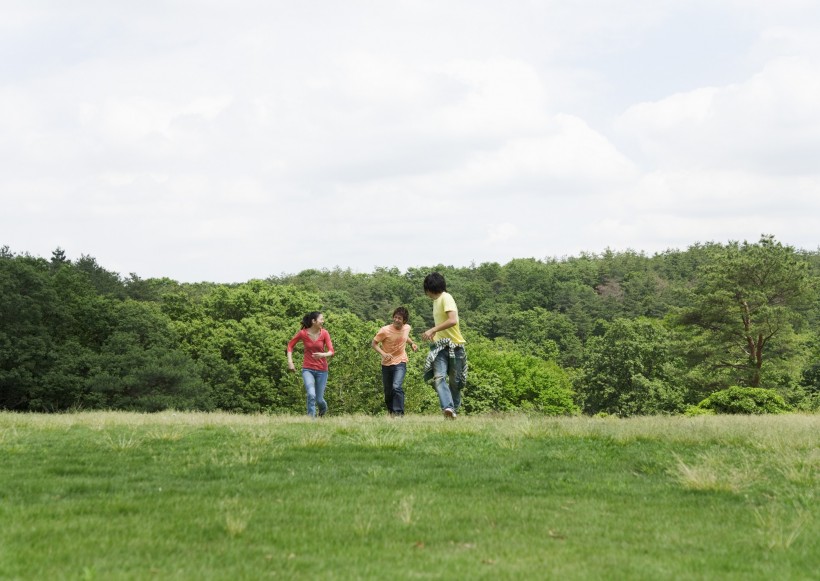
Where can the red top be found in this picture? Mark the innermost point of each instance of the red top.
(320, 345)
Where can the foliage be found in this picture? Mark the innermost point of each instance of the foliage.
(544, 334)
(747, 301)
(629, 370)
(619, 333)
(502, 379)
(237, 334)
(694, 410)
(354, 379)
(745, 400)
(69, 345)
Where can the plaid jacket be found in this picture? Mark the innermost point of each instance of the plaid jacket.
(457, 364)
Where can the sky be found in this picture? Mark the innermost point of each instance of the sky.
(206, 140)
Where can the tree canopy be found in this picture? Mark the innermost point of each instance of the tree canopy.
(618, 333)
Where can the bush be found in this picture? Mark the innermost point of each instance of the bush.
(503, 379)
(694, 410)
(745, 400)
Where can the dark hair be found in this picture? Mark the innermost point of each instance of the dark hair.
(308, 319)
(402, 312)
(434, 283)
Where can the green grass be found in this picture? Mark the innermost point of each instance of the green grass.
(219, 496)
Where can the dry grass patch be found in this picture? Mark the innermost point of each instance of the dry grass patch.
(244, 456)
(122, 442)
(237, 517)
(715, 472)
(379, 436)
(780, 526)
(405, 509)
(314, 440)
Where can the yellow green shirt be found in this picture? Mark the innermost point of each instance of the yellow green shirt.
(441, 305)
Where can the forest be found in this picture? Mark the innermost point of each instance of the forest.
(718, 327)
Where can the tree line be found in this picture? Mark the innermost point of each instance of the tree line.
(620, 333)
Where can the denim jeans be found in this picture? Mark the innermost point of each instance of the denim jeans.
(392, 380)
(315, 382)
(444, 380)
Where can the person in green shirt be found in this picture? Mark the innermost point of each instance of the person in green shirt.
(446, 363)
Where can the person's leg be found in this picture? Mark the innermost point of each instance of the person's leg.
(387, 384)
(440, 371)
(399, 371)
(310, 391)
(455, 387)
(321, 383)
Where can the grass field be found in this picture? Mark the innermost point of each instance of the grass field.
(219, 496)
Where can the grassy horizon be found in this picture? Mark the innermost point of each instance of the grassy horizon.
(113, 495)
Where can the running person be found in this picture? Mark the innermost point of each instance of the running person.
(389, 342)
(318, 349)
(446, 363)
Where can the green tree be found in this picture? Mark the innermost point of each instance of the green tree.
(544, 334)
(49, 314)
(746, 308)
(237, 335)
(354, 377)
(104, 281)
(629, 370)
(58, 258)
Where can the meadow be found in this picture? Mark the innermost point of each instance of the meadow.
(114, 495)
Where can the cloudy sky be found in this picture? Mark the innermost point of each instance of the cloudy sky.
(225, 141)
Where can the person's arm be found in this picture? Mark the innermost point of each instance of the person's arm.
(452, 321)
(328, 345)
(377, 341)
(413, 345)
(376, 344)
(291, 345)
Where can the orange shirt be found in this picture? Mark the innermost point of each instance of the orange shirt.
(393, 341)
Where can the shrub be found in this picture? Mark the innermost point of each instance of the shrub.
(503, 379)
(745, 400)
(694, 410)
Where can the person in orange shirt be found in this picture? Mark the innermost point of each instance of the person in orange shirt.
(389, 342)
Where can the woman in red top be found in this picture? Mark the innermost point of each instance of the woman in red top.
(318, 349)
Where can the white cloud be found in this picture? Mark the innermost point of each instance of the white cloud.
(205, 140)
(502, 232)
(569, 152)
(500, 96)
(770, 123)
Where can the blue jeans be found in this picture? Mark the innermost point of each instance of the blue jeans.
(444, 379)
(392, 380)
(315, 382)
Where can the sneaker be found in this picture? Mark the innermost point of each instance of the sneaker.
(322, 413)
(449, 413)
